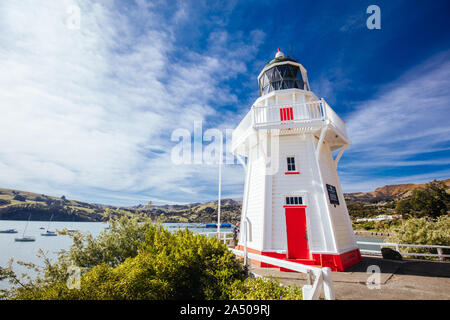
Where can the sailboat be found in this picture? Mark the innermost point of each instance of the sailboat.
(49, 233)
(26, 238)
(8, 231)
(73, 229)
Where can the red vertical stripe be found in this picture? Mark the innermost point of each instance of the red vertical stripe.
(286, 114)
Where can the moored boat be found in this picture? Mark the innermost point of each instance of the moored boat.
(8, 231)
(49, 233)
(25, 239)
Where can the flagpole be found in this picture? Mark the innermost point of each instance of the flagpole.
(220, 186)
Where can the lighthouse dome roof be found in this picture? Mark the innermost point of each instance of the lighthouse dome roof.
(279, 57)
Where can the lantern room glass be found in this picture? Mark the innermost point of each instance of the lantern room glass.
(281, 77)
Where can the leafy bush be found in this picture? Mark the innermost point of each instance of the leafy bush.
(366, 225)
(168, 266)
(422, 231)
(377, 226)
(363, 210)
(144, 261)
(4, 202)
(18, 197)
(263, 289)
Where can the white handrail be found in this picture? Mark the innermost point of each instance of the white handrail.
(215, 233)
(339, 124)
(243, 126)
(223, 236)
(246, 226)
(404, 245)
(266, 115)
(312, 114)
(397, 245)
(322, 276)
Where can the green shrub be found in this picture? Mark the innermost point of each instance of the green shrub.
(422, 231)
(4, 202)
(263, 289)
(366, 225)
(144, 261)
(19, 197)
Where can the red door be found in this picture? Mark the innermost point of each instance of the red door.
(297, 238)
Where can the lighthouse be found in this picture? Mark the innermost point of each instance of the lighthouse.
(290, 143)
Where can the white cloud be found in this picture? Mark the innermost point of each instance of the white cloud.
(401, 126)
(82, 109)
(413, 106)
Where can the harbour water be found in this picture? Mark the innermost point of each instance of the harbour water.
(27, 251)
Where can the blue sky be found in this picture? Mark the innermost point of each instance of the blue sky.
(89, 111)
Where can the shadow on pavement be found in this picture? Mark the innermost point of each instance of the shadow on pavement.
(404, 267)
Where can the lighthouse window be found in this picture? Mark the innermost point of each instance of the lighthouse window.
(292, 201)
(281, 77)
(290, 164)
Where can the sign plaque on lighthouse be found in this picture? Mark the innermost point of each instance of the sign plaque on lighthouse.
(293, 205)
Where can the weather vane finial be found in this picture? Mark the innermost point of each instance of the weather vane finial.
(279, 54)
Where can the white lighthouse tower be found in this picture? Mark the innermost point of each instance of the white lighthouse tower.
(293, 204)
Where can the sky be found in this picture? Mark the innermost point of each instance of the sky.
(95, 94)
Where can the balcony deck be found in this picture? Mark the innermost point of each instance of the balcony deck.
(308, 117)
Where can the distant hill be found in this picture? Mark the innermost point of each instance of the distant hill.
(230, 212)
(17, 205)
(386, 193)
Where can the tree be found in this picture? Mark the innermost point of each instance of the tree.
(19, 197)
(403, 207)
(432, 200)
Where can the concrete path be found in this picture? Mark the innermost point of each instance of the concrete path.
(399, 280)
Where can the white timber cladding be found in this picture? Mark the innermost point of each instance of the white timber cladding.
(271, 165)
(256, 197)
(329, 228)
(266, 193)
(340, 219)
(307, 185)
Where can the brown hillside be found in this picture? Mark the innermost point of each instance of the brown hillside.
(394, 191)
